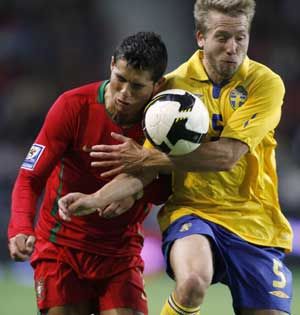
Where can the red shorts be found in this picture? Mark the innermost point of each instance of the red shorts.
(69, 276)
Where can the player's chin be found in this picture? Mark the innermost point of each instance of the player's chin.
(125, 117)
(228, 71)
(230, 68)
(122, 107)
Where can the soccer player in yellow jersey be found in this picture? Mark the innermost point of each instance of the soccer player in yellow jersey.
(223, 222)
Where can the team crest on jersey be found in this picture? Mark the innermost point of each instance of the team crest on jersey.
(185, 227)
(33, 156)
(238, 97)
(39, 289)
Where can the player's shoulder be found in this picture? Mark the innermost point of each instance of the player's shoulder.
(262, 73)
(189, 73)
(178, 78)
(182, 71)
(75, 100)
(87, 91)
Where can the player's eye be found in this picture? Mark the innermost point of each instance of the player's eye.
(120, 78)
(240, 38)
(221, 39)
(137, 87)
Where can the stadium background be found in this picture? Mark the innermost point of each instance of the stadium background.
(49, 47)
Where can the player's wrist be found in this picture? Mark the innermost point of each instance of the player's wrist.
(158, 161)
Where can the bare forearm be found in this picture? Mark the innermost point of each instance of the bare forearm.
(210, 156)
(122, 186)
(130, 157)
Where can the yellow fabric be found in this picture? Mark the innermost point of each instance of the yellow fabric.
(172, 307)
(167, 310)
(245, 199)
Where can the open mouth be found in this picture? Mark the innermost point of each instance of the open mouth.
(231, 62)
(121, 102)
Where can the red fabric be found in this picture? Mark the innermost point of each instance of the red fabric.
(76, 119)
(69, 276)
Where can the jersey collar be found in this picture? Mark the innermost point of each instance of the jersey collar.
(195, 67)
(241, 74)
(101, 91)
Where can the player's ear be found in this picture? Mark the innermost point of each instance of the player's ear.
(112, 62)
(200, 39)
(158, 86)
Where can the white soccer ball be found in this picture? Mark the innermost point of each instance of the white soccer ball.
(175, 121)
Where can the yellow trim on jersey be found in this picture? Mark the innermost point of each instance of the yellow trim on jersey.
(245, 199)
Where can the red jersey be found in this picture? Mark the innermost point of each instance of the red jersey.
(57, 163)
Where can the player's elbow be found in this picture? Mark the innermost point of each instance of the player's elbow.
(231, 154)
(227, 165)
(228, 161)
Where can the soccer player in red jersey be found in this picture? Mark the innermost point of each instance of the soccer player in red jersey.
(91, 264)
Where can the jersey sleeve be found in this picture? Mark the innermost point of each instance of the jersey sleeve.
(259, 115)
(48, 148)
(159, 190)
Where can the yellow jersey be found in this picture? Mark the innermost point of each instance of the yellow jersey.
(244, 200)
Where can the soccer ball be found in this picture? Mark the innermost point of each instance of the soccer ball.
(174, 121)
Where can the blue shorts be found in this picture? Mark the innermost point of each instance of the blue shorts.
(255, 275)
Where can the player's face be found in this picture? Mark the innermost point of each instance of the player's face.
(128, 92)
(224, 45)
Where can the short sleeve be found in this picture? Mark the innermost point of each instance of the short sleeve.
(259, 115)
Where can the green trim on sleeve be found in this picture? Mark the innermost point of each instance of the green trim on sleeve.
(54, 209)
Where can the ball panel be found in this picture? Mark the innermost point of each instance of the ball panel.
(162, 146)
(183, 147)
(186, 101)
(175, 121)
(179, 128)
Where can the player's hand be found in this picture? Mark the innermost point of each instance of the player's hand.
(117, 208)
(21, 247)
(77, 204)
(128, 156)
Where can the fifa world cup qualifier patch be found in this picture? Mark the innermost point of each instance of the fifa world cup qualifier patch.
(33, 156)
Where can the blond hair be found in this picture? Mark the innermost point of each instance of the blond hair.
(228, 7)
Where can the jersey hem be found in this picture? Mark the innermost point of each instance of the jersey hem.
(286, 247)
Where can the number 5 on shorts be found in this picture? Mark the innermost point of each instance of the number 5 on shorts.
(277, 264)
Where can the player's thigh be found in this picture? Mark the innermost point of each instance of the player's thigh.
(192, 254)
(259, 281)
(76, 309)
(59, 290)
(123, 294)
(245, 311)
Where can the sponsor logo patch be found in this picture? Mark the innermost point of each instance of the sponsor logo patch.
(33, 156)
(279, 294)
(185, 227)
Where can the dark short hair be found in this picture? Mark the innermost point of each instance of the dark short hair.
(144, 51)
